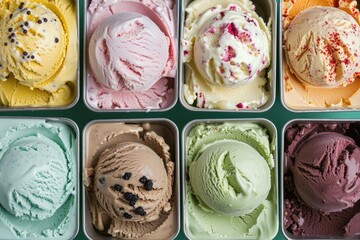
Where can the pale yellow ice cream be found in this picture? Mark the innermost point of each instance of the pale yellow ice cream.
(322, 47)
(39, 53)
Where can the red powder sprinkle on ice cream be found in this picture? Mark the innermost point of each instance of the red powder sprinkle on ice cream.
(333, 46)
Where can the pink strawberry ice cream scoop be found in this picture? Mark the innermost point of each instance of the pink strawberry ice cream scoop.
(132, 54)
(326, 172)
(128, 50)
(232, 47)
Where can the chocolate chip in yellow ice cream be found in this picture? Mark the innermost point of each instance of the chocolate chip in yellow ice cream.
(39, 51)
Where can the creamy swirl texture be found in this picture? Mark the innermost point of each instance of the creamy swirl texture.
(37, 180)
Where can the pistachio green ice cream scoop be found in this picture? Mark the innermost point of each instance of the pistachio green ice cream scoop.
(224, 180)
(231, 188)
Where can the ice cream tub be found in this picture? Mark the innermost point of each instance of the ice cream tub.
(320, 55)
(231, 69)
(136, 72)
(39, 178)
(230, 179)
(39, 64)
(125, 197)
(319, 179)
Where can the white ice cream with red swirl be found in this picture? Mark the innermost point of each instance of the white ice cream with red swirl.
(226, 50)
(231, 48)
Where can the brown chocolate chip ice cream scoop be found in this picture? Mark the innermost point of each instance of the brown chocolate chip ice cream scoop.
(117, 186)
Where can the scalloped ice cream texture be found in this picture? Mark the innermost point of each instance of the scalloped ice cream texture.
(131, 53)
(51, 166)
(231, 49)
(321, 182)
(322, 47)
(325, 172)
(37, 180)
(331, 79)
(226, 50)
(128, 50)
(230, 191)
(38, 64)
(129, 157)
(123, 159)
(223, 178)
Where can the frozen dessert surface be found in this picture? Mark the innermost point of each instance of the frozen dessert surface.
(325, 172)
(52, 179)
(39, 53)
(226, 51)
(321, 54)
(142, 170)
(225, 197)
(291, 8)
(37, 180)
(222, 177)
(129, 180)
(321, 182)
(353, 226)
(231, 48)
(132, 54)
(322, 47)
(34, 45)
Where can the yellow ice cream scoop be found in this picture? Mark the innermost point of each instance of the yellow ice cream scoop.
(35, 43)
(38, 53)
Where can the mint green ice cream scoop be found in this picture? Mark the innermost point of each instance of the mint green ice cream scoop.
(37, 180)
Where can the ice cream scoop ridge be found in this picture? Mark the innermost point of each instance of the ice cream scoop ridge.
(36, 180)
(33, 55)
(325, 172)
(226, 49)
(322, 47)
(39, 61)
(231, 48)
(132, 54)
(229, 191)
(130, 184)
(223, 178)
(128, 50)
(321, 179)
